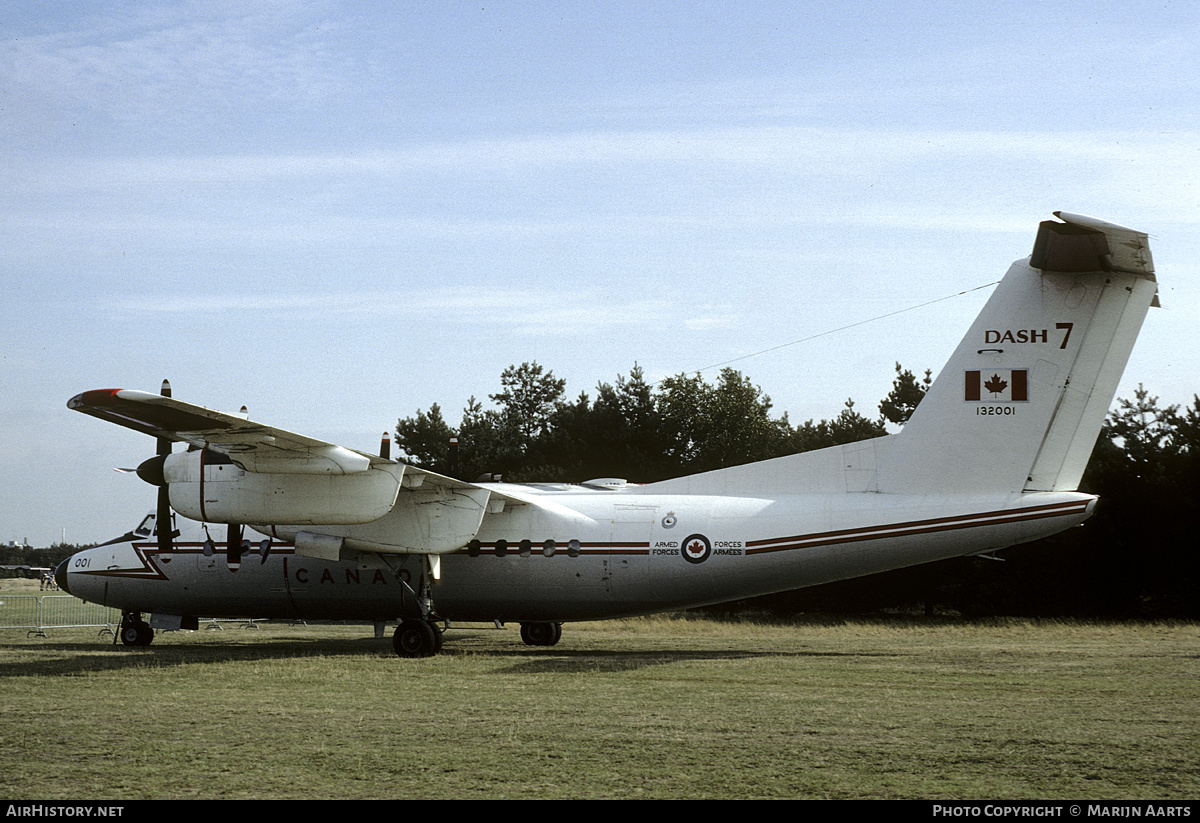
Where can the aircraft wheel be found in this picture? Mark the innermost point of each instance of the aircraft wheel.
(136, 634)
(415, 638)
(541, 634)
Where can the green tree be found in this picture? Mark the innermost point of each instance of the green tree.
(1145, 432)
(529, 397)
(906, 393)
(424, 440)
(713, 426)
(489, 443)
(617, 435)
(1135, 557)
(848, 427)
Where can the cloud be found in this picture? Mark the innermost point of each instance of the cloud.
(549, 311)
(192, 63)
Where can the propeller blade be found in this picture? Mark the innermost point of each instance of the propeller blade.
(166, 530)
(233, 547)
(163, 524)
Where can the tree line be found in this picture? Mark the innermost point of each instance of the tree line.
(1133, 558)
(630, 429)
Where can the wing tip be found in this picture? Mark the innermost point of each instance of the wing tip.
(95, 397)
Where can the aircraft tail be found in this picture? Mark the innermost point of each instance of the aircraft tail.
(1020, 403)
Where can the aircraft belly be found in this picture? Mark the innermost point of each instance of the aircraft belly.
(542, 588)
(286, 586)
(342, 590)
(289, 586)
(209, 588)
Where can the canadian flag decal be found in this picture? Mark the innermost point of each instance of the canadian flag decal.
(998, 385)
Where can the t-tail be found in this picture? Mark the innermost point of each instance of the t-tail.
(1021, 402)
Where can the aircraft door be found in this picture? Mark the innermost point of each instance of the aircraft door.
(626, 568)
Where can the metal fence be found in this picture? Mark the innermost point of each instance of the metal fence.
(54, 611)
(37, 613)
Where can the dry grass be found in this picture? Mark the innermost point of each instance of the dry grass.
(659, 707)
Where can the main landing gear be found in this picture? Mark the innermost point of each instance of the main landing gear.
(417, 638)
(134, 631)
(418, 634)
(541, 634)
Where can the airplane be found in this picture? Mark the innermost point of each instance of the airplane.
(991, 457)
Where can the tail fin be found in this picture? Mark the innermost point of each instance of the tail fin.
(1020, 403)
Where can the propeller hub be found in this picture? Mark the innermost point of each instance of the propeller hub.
(152, 471)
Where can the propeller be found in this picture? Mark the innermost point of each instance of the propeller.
(166, 530)
(152, 472)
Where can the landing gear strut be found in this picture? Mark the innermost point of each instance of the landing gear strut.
(541, 634)
(134, 631)
(418, 634)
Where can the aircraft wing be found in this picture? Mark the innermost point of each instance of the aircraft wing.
(255, 447)
(318, 488)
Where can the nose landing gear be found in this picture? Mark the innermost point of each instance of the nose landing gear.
(134, 631)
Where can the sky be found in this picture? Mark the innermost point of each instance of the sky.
(340, 214)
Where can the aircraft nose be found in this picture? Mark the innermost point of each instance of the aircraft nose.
(60, 575)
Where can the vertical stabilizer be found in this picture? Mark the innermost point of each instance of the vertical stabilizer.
(1020, 403)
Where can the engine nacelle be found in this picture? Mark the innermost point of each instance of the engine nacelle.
(208, 486)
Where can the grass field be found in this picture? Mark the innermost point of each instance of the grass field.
(653, 708)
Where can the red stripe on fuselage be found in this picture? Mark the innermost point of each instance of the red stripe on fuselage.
(930, 526)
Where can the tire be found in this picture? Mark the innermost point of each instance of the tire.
(541, 634)
(136, 634)
(415, 638)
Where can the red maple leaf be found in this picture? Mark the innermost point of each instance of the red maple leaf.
(995, 385)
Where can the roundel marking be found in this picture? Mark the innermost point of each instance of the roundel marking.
(696, 548)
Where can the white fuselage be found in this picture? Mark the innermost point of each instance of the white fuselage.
(583, 554)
